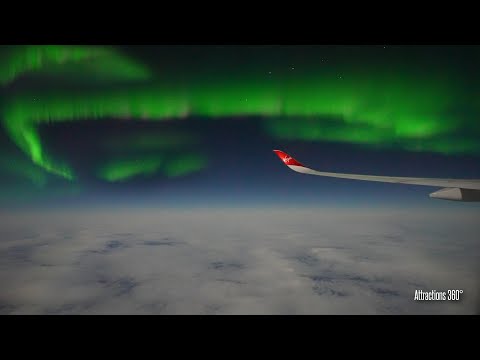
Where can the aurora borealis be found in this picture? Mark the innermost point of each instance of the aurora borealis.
(102, 62)
(402, 99)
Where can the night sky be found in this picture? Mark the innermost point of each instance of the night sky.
(196, 125)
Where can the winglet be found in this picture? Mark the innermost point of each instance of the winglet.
(287, 159)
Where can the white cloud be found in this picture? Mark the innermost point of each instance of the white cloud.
(237, 261)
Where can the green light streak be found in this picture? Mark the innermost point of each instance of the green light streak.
(171, 166)
(99, 61)
(26, 136)
(121, 170)
(410, 108)
(184, 164)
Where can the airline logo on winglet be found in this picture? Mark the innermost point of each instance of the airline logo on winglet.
(287, 159)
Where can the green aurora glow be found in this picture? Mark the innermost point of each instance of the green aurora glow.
(410, 109)
(171, 166)
(100, 61)
(120, 170)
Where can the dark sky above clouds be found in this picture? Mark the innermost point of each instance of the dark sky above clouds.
(189, 125)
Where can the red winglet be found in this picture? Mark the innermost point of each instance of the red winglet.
(287, 159)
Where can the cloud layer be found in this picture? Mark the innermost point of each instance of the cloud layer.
(237, 262)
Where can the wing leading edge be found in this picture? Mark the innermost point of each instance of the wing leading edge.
(447, 183)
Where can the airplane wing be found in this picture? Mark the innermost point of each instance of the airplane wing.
(465, 188)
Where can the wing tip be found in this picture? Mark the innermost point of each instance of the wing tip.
(287, 159)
